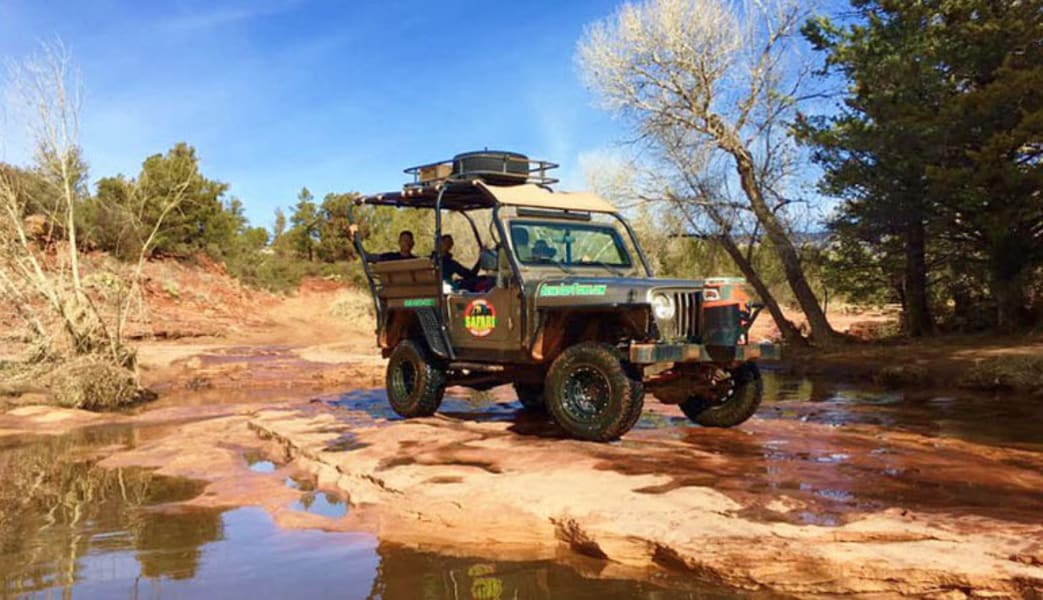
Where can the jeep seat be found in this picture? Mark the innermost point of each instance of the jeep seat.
(409, 278)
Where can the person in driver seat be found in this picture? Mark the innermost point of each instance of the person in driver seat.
(542, 251)
(520, 236)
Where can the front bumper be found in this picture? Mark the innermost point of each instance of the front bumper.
(646, 354)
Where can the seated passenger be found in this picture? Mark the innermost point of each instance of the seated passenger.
(405, 246)
(405, 249)
(450, 266)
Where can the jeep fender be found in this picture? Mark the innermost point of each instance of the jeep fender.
(423, 322)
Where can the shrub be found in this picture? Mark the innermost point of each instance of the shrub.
(1006, 372)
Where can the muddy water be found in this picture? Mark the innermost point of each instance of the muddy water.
(69, 527)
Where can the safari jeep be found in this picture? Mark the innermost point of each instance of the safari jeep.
(562, 305)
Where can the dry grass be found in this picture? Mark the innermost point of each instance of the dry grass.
(94, 384)
(86, 382)
(353, 305)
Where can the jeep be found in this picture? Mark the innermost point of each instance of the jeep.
(563, 305)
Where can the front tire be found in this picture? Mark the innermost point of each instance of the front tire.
(590, 394)
(415, 382)
(739, 400)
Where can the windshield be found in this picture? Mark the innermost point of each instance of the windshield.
(568, 244)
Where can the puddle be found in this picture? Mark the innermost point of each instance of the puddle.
(366, 407)
(247, 354)
(1002, 420)
(257, 463)
(69, 528)
(263, 466)
(326, 504)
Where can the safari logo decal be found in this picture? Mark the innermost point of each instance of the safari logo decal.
(480, 318)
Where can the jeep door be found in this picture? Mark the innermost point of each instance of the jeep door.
(487, 326)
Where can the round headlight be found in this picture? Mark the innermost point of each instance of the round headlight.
(663, 307)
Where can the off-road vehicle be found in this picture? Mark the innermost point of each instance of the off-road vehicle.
(563, 305)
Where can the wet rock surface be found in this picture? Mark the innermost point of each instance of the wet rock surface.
(831, 490)
(73, 523)
(834, 491)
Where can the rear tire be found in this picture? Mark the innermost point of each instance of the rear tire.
(737, 405)
(531, 396)
(415, 382)
(591, 395)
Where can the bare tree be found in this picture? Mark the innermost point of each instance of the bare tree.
(45, 92)
(43, 280)
(708, 86)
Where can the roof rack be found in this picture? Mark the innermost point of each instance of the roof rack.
(496, 167)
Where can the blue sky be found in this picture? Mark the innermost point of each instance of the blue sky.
(337, 96)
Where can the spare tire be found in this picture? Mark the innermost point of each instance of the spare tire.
(493, 166)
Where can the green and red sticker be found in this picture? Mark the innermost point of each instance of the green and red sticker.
(480, 318)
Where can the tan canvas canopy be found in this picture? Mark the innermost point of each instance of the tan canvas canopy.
(535, 196)
(476, 193)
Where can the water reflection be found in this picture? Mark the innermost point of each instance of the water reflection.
(71, 528)
(410, 575)
(68, 525)
(1004, 419)
(256, 462)
(368, 405)
(57, 506)
(882, 449)
(327, 504)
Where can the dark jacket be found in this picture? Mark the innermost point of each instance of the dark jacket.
(451, 267)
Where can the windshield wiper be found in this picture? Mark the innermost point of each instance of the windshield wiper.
(606, 266)
(562, 266)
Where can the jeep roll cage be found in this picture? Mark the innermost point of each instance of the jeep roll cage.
(465, 183)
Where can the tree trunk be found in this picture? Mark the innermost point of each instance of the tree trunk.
(789, 331)
(1009, 260)
(917, 314)
(821, 331)
(1009, 293)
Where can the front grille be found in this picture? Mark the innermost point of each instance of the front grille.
(685, 324)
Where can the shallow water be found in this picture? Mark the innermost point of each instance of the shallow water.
(1010, 419)
(68, 526)
(327, 504)
(1002, 419)
(951, 452)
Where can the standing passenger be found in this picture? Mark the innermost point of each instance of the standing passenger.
(405, 248)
